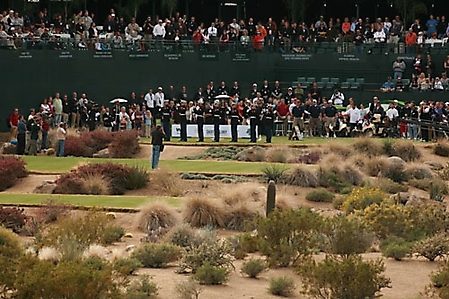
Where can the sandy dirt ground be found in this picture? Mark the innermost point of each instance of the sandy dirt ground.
(409, 277)
(171, 152)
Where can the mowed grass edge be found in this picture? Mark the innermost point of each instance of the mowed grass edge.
(103, 201)
(45, 164)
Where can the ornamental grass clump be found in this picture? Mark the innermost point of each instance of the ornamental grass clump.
(200, 212)
(155, 216)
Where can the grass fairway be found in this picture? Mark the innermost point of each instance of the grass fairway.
(85, 200)
(45, 164)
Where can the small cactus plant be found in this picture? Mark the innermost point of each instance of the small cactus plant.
(271, 197)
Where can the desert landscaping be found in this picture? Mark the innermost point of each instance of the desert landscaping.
(196, 225)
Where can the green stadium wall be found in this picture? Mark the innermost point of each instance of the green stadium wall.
(29, 76)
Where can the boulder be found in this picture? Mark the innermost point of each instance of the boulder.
(434, 165)
(252, 154)
(8, 149)
(397, 161)
(46, 187)
(104, 153)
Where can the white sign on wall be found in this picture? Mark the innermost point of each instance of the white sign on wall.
(225, 131)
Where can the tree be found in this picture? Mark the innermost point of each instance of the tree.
(170, 6)
(408, 9)
(296, 8)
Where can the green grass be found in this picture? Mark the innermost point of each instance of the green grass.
(85, 200)
(45, 164)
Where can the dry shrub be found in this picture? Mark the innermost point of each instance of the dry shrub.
(96, 251)
(441, 149)
(200, 212)
(302, 176)
(95, 183)
(406, 150)
(341, 171)
(368, 146)
(243, 193)
(331, 158)
(157, 215)
(124, 145)
(168, 182)
(277, 154)
(418, 171)
(238, 215)
(359, 160)
(394, 170)
(342, 150)
(390, 186)
(373, 167)
(252, 154)
(49, 254)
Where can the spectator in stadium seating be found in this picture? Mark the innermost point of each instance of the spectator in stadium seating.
(446, 64)
(109, 27)
(358, 41)
(282, 111)
(398, 68)
(379, 36)
(338, 97)
(410, 41)
(133, 30)
(299, 92)
(430, 65)
(399, 86)
(444, 80)
(431, 25)
(79, 31)
(388, 86)
(93, 31)
(438, 85)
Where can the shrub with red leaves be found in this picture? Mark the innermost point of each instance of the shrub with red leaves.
(98, 139)
(13, 218)
(76, 146)
(11, 168)
(124, 145)
(121, 178)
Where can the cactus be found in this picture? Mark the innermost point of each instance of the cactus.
(271, 197)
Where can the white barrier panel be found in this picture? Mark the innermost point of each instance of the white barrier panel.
(225, 131)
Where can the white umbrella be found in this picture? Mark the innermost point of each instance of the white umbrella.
(222, 96)
(118, 100)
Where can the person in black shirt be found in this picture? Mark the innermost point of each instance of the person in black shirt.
(235, 119)
(199, 113)
(166, 113)
(314, 122)
(330, 112)
(157, 140)
(253, 116)
(208, 115)
(268, 117)
(298, 118)
(183, 120)
(217, 117)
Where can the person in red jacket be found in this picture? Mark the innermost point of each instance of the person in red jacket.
(13, 122)
(258, 41)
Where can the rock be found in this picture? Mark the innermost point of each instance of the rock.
(434, 165)
(8, 149)
(415, 200)
(50, 151)
(104, 153)
(130, 247)
(111, 215)
(252, 154)
(46, 187)
(397, 161)
(403, 197)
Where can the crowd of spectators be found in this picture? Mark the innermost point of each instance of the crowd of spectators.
(286, 36)
(268, 107)
(424, 77)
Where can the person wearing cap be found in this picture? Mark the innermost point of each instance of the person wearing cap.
(199, 115)
(253, 92)
(159, 98)
(425, 116)
(388, 86)
(338, 97)
(166, 115)
(412, 115)
(315, 118)
(268, 118)
(297, 111)
(289, 95)
(159, 31)
(330, 112)
(235, 120)
(182, 111)
(253, 117)
(217, 118)
(35, 128)
(276, 92)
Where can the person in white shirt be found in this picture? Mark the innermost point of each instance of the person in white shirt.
(159, 98)
(379, 36)
(354, 116)
(438, 85)
(159, 31)
(338, 97)
(212, 33)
